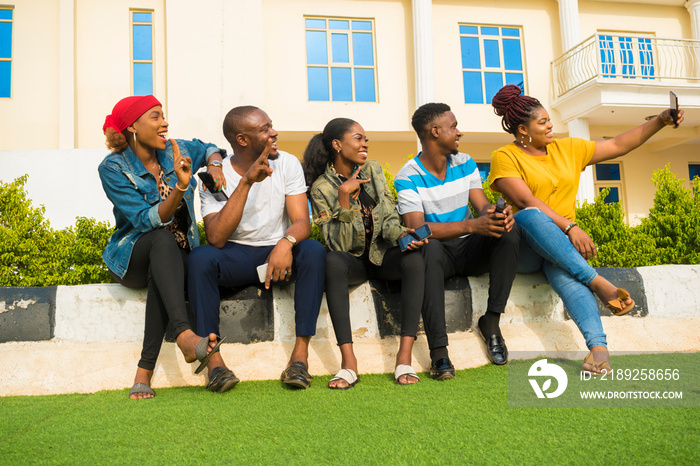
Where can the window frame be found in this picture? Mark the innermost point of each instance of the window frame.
(479, 165)
(615, 69)
(133, 61)
(619, 184)
(350, 65)
(690, 180)
(483, 68)
(9, 60)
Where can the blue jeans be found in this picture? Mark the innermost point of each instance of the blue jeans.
(235, 265)
(545, 247)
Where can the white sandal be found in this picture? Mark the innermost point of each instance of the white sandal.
(348, 375)
(404, 369)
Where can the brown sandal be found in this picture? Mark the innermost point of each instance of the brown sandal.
(618, 306)
(598, 367)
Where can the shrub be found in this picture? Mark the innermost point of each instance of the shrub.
(33, 254)
(669, 235)
(618, 244)
(674, 220)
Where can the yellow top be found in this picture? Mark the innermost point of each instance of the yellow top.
(552, 178)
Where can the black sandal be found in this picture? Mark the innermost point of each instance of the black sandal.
(296, 375)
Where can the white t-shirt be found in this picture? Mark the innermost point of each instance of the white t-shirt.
(265, 218)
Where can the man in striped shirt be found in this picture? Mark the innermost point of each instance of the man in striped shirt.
(436, 187)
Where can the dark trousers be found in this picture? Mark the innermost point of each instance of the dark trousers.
(344, 269)
(235, 265)
(158, 263)
(470, 256)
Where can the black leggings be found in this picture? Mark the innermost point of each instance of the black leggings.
(344, 269)
(157, 262)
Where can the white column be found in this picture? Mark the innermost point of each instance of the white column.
(66, 74)
(423, 54)
(693, 7)
(578, 128)
(570, 28)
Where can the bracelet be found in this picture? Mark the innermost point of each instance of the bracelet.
(179, 188)
(569, 227)
(215, 163)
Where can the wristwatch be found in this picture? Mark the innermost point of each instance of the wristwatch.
(215, 163)
(291, 239)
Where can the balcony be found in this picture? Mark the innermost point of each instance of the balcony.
(616, 79)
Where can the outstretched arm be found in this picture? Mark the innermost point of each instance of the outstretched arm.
(630, 140)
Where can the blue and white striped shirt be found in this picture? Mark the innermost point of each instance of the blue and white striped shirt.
(441, 201)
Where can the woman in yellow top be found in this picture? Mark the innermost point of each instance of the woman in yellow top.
(539, 176)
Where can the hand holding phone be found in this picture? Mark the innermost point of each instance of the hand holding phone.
(209, 183)
(418, 235)
(262, 272)
(500, 205)
(674, 107)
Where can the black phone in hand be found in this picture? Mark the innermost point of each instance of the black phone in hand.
(418, 235)
(211, 186)
(500, 205)
(674, 106)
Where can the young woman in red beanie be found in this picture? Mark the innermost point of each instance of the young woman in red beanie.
(148, 179)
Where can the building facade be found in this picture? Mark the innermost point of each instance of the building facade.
(600, 67)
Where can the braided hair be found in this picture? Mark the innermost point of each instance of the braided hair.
(319, 153)
(516, 109)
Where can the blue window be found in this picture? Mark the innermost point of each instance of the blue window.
(492, 56)
(142, 52)
(340, 62)
(6, 52)
(484, 170)
(609, 175)
(693, 170)
(626, 57)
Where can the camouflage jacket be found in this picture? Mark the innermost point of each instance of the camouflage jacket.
(342, 229)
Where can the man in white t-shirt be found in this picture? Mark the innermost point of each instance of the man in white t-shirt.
(264, 221)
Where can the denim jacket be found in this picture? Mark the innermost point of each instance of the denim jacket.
(133, 191)
(342, 229)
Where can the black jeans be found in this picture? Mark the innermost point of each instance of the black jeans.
(473, 255)
(344, 269)
(157, 262)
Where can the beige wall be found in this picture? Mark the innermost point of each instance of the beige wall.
(664, 21)
(103, 61)
(29, 118)
(285, 69)
(540, 23)
(235, 52)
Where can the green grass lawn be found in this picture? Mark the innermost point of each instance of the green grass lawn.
(466, 420)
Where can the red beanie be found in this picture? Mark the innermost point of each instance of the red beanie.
(128, 110)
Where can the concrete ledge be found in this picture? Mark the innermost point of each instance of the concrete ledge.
(63, 333)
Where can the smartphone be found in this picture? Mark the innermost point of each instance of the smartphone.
(500, 204)
(209, 183)
(418, 235)
(674, 106)
(262, 272)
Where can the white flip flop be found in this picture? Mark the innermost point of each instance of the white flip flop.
(348, 375)
(404, 369)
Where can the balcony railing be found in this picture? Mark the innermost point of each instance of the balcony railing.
(624, 58)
